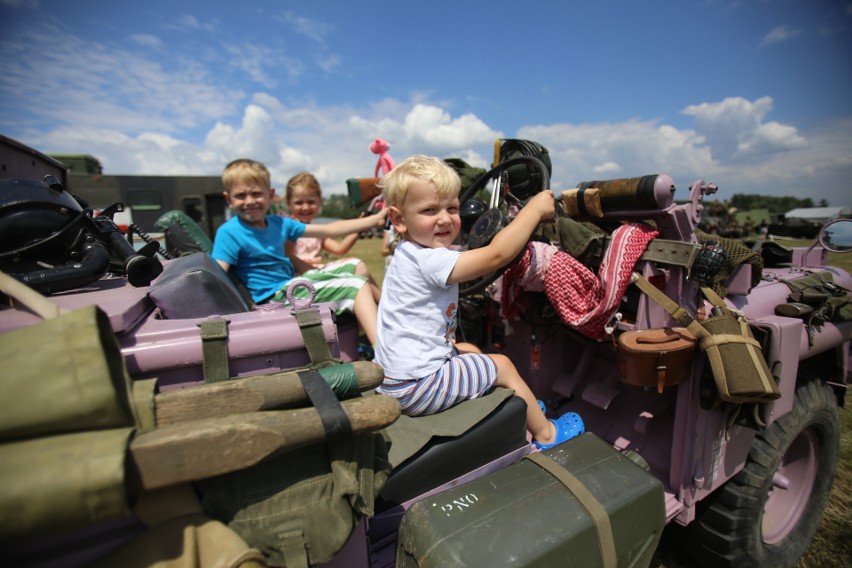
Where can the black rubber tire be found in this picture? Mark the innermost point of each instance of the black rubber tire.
(729, 530)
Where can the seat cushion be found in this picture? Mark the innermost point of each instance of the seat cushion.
(445, 458)
(195, 286)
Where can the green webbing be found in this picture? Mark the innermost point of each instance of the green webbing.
(343, 379)
(593, 507)
(677, 253)
(214, 345)
(310, 324)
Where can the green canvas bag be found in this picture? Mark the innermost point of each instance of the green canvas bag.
(735, 356)
(736, 359)
(300, 508)
(66, 418)
(65, 374)
(62, 481)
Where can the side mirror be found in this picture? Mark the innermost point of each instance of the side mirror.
(837, 235)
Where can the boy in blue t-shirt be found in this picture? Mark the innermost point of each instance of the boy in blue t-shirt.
(252, 244)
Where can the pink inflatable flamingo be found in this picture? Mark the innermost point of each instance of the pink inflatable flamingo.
(385, 163)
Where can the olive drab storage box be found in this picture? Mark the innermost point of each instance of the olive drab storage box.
(527, 513)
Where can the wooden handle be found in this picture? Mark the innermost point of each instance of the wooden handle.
(263, 392)
(195, 450)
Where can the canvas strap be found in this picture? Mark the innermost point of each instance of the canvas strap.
(29, 298)
(593, 507)
(667, 251)
(214, 346)
(310, 324)
(294, 550)
(676, 311)
(333, 417)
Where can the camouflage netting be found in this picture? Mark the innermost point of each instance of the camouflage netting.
(737, 254)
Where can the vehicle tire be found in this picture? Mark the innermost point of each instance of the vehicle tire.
(767, 514)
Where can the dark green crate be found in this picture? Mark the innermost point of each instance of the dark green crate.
(523, 516)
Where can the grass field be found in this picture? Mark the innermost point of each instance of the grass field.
(832, 546)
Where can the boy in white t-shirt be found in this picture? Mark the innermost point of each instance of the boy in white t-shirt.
(425, 369)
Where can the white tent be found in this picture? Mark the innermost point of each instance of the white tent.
(818, 214)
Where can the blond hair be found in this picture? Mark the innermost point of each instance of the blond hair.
(243, 170)
(418, 168)
(302, 179)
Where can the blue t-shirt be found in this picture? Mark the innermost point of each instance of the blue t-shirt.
(257, 255)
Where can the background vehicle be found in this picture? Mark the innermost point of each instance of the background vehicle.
(748, 481)
(148, 197)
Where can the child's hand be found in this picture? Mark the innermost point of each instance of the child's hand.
(379, 218)
(544, 203)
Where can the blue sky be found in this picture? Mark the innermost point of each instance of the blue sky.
(755, 95)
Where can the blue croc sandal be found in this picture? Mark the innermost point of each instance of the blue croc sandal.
(542, 406)
(568, 426)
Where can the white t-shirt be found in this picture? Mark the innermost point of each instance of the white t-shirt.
(417, 312)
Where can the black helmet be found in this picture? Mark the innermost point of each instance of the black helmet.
(39, 223)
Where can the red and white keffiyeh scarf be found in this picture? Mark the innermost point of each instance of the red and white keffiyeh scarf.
(585, 301)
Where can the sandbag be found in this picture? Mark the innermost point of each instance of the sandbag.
(62, 481)
(65, 374)
(189, 541)
(299, 509)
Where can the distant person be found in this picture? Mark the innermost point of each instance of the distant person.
(252, 243)
(303, 197)
(388, 244)
(425, 369)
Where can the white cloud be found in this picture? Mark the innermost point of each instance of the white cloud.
(583, 152)
(176, 116)
(192, 23)
(117, 88)
(736, 130)
(262, 64)
(308, 27)
(435, 128)
(146, 40)
(779, 34)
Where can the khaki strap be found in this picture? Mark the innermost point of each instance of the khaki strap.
(294, 549)
(142, 393)
(29, 298)
(676, 311)
(310, 324)
(666, 251)
(214, 345)
(593, 507)
(725, 338)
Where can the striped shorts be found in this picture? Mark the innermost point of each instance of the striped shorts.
(334, 282)
(460, 378)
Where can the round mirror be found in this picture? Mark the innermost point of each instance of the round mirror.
(837, 235)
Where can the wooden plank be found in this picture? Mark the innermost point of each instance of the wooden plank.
(198, 449)
(249, 394)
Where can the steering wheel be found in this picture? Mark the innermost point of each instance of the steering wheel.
(495, 217)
